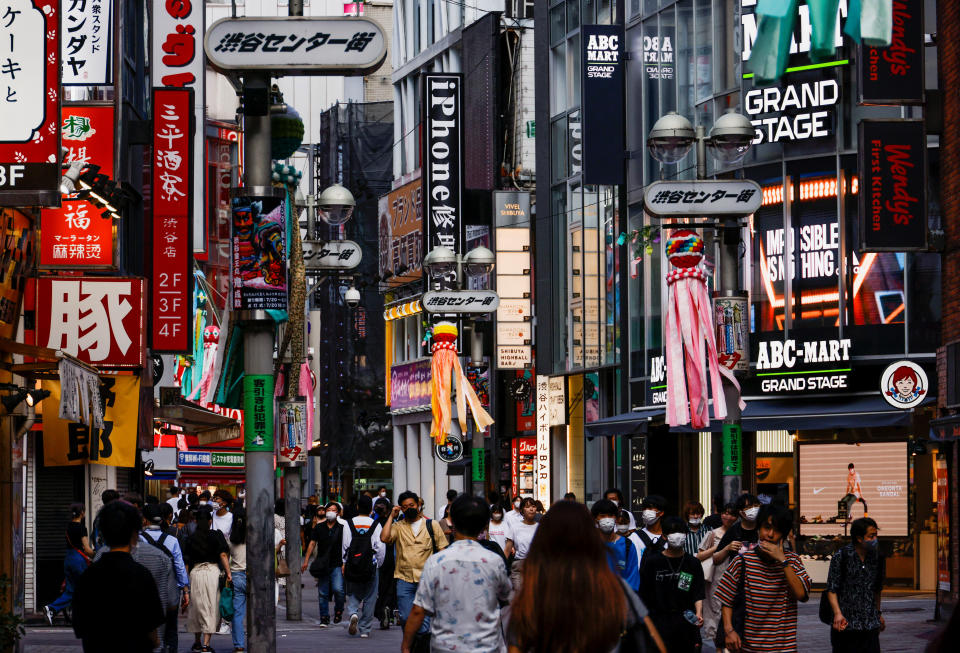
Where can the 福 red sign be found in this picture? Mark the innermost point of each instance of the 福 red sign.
(76, 235)
(172, 144)
(97, 319)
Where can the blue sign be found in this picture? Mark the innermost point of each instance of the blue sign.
(194, 459)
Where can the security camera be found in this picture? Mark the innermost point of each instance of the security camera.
(352, 297)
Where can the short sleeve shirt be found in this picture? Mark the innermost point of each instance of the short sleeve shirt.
(76, 531)
(737, 533)
(521, 535)
(770, 624)
(462, 587)
(861, 580)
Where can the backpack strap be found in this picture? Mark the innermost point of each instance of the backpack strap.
(157, 543)
(433, 538)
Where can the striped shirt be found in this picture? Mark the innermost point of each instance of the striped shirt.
(694, 538)
(770, 623)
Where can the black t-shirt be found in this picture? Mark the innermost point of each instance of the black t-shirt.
(670, 585)
(712, 521)
(329, 545)
(737, 533)
(205, 546)
(116, 605)
(76, 531)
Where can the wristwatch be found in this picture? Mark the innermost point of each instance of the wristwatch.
(785, 564)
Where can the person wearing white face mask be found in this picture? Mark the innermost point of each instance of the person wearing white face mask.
(621, 552)
(693, 518)
(616, 496)
(327, 540)
(651, 535)
(742, 536)
(671, 586)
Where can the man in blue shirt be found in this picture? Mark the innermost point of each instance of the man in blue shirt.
(622, 554)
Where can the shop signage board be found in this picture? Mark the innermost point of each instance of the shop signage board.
(943, 526)
(177, 61)
(732, 331)
(401, 236)
(460, 301)
(73, 443)
(514, 357)
(904, 384)
(332, 255)
(523, 452)
(522, 391)
(96, 319)
(514, 333)
(893, 183)
(410, 386)
(171, 280)
(656, 394)
(258, 412)
(542, 463)
(804, 366)
(443, 161)
(296, 45)
(292, 442)
(87, 42)
(737, 197)
(451, 450)
(510, 209)
(602, 73)
(732, 450)
(258, 253)
(638, 472)
(796, 112)
(30, 90)
(895, 74)
(207, 459)
(558, 400)
(76, 236)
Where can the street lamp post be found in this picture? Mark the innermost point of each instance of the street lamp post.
(445, 267)
(669, 141)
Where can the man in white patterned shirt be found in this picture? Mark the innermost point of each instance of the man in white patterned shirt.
(462, 588)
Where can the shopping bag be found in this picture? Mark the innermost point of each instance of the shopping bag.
(226, 603)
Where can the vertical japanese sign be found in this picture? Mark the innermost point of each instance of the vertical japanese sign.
(292, 436)
(76, 235)
(178, 61)
(603, 101)
(258, 412)
(893, 176)
(895, 74)
(443, 161)
(73, 443)
(732, 450)
(171, 316)
(30, 97)
(542, 465)
(259, 254)
(97, 319)
(87, 42)
(943, 526)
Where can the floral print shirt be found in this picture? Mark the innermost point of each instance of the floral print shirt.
(856, 593)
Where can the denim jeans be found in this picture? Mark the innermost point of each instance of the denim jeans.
(239, 621)
(73, 565)
(406, 592)
(365, 593)
(330, 582)
(170, 641)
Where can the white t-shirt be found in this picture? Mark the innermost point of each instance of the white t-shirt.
(497, 532)
(521, 535)
(637, 542)
(442, 510)
(512, 516)
(223, 524)
(417, 525)
(173, 501)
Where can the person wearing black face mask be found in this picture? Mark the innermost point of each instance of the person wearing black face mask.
(853, 589)
(416, 538)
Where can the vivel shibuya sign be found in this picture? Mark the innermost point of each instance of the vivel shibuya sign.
(297, 46)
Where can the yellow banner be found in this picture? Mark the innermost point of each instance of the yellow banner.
(69, 443)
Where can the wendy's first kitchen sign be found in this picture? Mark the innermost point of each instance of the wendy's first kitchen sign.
(893, 173)
(895, 74)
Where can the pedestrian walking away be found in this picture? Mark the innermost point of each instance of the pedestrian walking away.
(326, 541)
(206, 556)
(763, 586)
(363, 553)
(854, 584)
(386, 585)
(571, 600)
(416, 538)
(174, 499)
(462, 588)
(153, 536)
(96, 540)
(519, 536)
(238, 578)
(621, 552)
(117, 605)
(671, 586)
(441, 511)
(78, 555)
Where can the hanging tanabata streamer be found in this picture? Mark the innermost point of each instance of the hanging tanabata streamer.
(771, 48)
(690, 342)
(876, 23)
(824, 15)
(211, 335)
(446, 362)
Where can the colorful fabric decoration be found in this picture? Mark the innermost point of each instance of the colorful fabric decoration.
(876, 23)
(690, 337)
(824, 15)
(446, 362)
(771, 48)
(211, 336)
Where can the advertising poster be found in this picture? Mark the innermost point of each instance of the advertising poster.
(88, 42)
(523, 457)
(401, 235)
(842, 482)
(73, 443)
(527, 405)
(410, 386)
(943, 526)
(259, 254)
(292, 433)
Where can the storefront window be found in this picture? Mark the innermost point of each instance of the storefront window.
(725, 60)
(558, 26)
(588, 11)
(704, 49)
(559, 100)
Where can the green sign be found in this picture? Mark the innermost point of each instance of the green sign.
(478, 458)
(531, 129)
(258, 412)
(227, 460)
(732, 450)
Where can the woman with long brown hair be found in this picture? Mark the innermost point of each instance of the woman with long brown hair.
(567, 559)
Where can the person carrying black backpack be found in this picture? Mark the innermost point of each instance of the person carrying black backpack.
(363, 554)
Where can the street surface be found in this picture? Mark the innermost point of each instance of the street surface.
(907, 615)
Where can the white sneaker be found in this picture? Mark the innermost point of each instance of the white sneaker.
(48, 613)
(364, 635)
(354, 620)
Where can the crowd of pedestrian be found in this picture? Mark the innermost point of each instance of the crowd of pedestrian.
(485, 576)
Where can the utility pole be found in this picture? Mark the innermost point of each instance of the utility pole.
(258, 340)
(477, 446)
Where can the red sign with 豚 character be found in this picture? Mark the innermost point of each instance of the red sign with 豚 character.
(76, 235)
(172, 200)
(97, 319)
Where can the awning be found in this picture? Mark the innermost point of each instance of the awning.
(632, 423)
(208, 426)
(457, 467)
